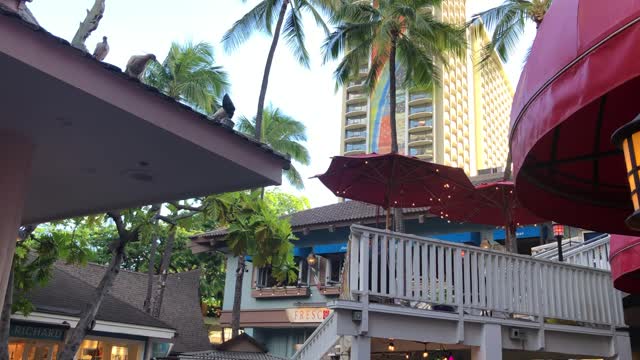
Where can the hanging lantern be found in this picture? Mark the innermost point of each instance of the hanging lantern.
(391, 346)
(312, 259)
(558, 229)
(628, 139)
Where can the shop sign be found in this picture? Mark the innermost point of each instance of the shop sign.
(36, 331)
(307, 315)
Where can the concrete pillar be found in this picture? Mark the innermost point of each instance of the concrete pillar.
(15, 168)
(361, 348)
(491, 346)
(621, 347)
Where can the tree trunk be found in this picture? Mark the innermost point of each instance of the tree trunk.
(267, 69)
(89, 24)
(398, 217)
(237, 297)
(150, 273)
(510, 240)
(507, 167)
(87, 319)
(164, 272)
(392, 94)
(5, 318)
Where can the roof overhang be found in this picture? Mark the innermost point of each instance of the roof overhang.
(105, 141)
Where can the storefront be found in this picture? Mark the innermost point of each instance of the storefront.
(40, 341)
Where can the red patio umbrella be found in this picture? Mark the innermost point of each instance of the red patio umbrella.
(492, 203)
(580, 84)
(394, 180)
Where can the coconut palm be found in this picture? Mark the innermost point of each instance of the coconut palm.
(397, 33)
(284, 134)
(262, 18)
(507, 22)
(188, 74)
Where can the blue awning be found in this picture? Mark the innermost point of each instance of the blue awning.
(465, 237)
(521, 232)
(301, 251)
(330, 249)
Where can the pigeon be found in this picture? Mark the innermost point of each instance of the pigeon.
(225, 113)
(102, 49)
(137, 64)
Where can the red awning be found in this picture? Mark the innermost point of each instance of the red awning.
(625, 263)
(581, 82)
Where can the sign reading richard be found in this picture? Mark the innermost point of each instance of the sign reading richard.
(33, 331)
(307, 315)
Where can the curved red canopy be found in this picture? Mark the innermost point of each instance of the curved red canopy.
(625, 263)
(394, 180)
(491, 204)
(581, 82)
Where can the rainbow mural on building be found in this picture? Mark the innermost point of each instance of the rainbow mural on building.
(380, 120)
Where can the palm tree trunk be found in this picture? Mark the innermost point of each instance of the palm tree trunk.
(87, 319)
(397, 212)
(5, 318)
(392, 94)
(164, 272)
(267, 69)
(237, 297)
(150, 273)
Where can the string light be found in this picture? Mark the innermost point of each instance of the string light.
(406, 356)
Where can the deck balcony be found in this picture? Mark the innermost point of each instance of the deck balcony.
(482, 304)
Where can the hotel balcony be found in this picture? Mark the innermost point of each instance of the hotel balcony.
(356, 109)
(419, 98)
(355, 85)
(420, 124)
(479, 304)
(355, 148)
(351, 136)
(355, 122)
(420, 111)
(420, 138)
(356, 97)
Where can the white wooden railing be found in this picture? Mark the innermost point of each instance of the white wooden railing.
(399, 266)
(594, 254)
(320, 341)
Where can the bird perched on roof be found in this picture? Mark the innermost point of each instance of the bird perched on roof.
(137, 64)
(102, 49)
(225, 113)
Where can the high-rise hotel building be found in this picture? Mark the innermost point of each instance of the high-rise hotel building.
(462, 122)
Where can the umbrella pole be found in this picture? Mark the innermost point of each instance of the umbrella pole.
(388, 220)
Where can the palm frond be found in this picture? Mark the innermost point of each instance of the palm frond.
(294, 35)
(242, 29)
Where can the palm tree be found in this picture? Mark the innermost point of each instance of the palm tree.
(188, 74)
(508, 22)
(284, 134)
(261, 19)
(402, 33)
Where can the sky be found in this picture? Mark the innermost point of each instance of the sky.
(308, 95)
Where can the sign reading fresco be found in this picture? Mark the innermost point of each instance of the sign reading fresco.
(307, 315)
(36, 332)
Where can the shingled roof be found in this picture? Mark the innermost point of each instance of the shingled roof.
(68, 295)
(180, 306)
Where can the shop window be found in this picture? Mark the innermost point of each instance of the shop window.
(333, 268)
(91, 350)
(265, 279)
(119, 353)
(303, 272)
(16, 350)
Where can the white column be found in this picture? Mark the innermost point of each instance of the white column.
(15, 167)
(361, 348)
(491, 345)
(621, 345)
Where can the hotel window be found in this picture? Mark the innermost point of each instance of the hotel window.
(349, 134)
(354, 147)
(419, 109)
(419, 150)
(420, 122)
(352, 108)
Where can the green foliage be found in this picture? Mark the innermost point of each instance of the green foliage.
(188, 75)
(365, 33)
(284, 134)
(264, 15)
(255, 229)
(35, 256)
(285, 204)
(507, 22)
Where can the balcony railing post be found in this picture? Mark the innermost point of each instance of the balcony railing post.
(458, 292)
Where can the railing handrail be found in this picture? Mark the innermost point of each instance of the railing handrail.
(363, 228)
(591, 245)
(314, 335)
